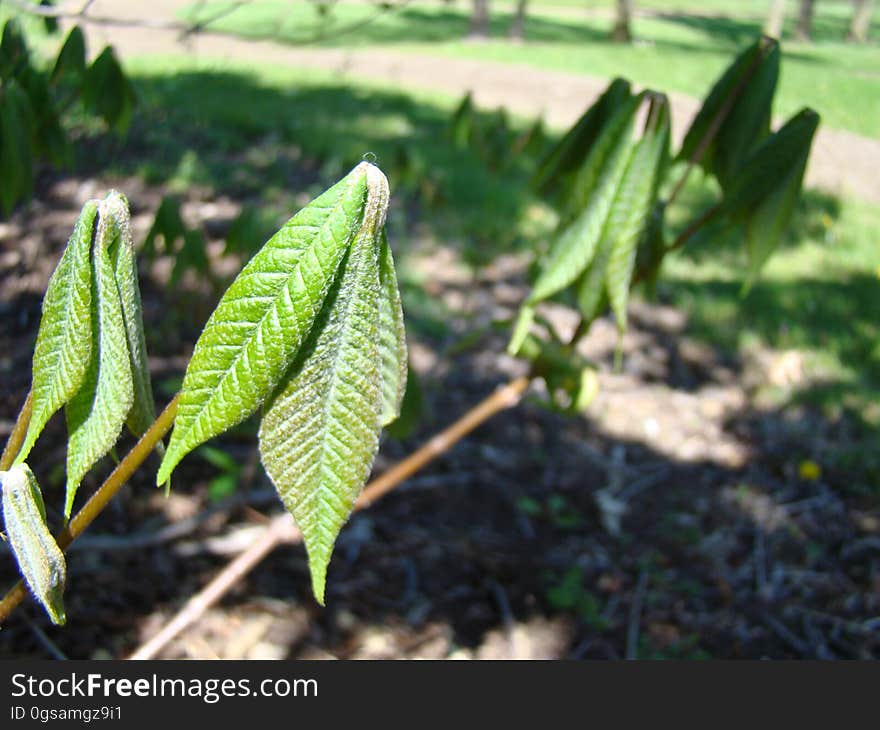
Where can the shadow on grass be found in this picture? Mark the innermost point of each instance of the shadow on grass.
(263, 144)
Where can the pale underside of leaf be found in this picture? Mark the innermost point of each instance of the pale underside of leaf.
(142, 413)
(39, 558)
(392, 337)
(63, 347)
(320, 432)
(262, 320)
(97, 412)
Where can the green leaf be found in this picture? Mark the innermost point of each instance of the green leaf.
(629, 214)
(781, 161)
(107, 91)
(47, 134)
(575, 246)
(769, 165)
(752, 77)
(71, 60)
(567, 156)
(255, 333)
(64, 345)
(167, 225)
(320, 433)
(410, 409)
(461, 125)
(16, 163)
(97, 412)
(392, 337)
(143, 411)
(521, 328)
(14, 54)
(39, 558)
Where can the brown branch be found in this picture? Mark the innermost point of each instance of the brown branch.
(16, 436)
(281, 529)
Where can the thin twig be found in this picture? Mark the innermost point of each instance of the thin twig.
(635, 616)
(16, 436)
(168, 533)
(282, 530)
(99, 500)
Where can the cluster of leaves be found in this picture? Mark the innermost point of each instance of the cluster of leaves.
(33, 101)
(90, 358)
(607, 186)
(312, 331)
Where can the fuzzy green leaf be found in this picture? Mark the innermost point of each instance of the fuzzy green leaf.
(320, 433)
(39, 558)
(142, 413)
(630, 212)
(64, 345)
(255, 333)
(392, 337)
(98, 410)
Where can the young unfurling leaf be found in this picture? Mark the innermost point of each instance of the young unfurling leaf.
(39, 558)
(98, 410)
(64, 348)
(763, 195)
(252, 338)
(630, 213)
(90, 354)
(142, 412)
(392, 337)
(741, 121)
(320, 433)
(575, 246)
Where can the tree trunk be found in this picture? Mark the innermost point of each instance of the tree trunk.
(861, 21)
(517, 27)
(805, 20)
(621, 32)
(480, 20)
(775, 19)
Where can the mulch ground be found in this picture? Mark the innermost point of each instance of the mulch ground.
(670, 521)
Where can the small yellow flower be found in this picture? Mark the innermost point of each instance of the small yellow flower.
(809, 470)
(827, 221)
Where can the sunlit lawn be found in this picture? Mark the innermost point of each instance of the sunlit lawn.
(681, 51)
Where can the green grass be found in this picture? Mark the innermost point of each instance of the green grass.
(680, 51)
